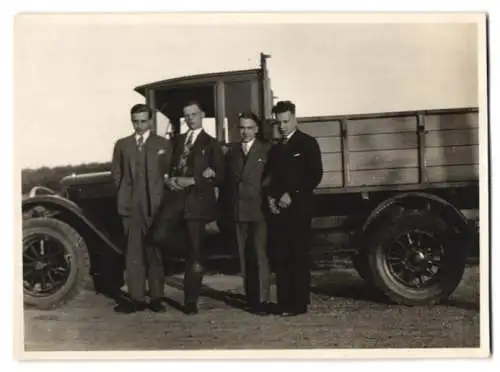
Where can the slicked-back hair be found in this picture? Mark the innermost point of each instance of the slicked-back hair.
(193, 103)
(140, 107)
(249, 115)
(284, 106)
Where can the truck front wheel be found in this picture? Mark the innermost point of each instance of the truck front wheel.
(416, 259)
(55, 262)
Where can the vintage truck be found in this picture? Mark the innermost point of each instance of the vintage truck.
(400, 190)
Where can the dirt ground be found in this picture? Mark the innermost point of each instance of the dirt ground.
(343, 314)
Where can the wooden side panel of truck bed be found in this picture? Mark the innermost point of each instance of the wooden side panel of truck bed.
(397, 149)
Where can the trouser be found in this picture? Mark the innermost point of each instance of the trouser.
(142, 261)
(251, 238)
(290, 233)
(193, 276)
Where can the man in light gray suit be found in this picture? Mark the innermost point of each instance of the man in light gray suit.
(246, 161)
(140, 162)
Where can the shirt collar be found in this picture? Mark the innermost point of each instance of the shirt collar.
(248, 144)
(145, 136)
(196, 132)
(290, 135)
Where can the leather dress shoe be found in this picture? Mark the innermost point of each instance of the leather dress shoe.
(191, 309)
(261, 308)
(294, 311)
(129, 307)
(157, 306)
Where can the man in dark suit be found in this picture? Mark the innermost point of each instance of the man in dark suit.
(197, 169)
(246, 161)
(294, 170)
(139, 164)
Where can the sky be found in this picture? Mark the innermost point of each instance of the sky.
(74, 76)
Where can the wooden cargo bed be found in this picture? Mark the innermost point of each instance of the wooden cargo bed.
(401, 150)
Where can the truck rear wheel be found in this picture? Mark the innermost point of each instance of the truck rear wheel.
(55, 263)
(416, 259)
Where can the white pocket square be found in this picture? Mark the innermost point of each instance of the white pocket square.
(161, 152)
(297, 154)
(259, 160)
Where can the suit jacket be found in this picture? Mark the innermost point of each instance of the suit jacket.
(158, 156)
(295, 168)
(244, 181)
(197, 202)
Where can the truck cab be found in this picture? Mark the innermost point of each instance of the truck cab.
(221, 95)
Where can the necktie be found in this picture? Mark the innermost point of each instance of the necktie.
(189, 141)
(187, 148)
(140, 142)
(245, 148)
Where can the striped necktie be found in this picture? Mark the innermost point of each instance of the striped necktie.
(140, 142)
(187, 149)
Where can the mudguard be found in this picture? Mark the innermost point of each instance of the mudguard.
(70, 213)
(420, 200)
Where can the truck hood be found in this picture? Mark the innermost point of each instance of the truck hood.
(86, 178)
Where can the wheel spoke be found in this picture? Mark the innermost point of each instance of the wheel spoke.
(35, 252)
(59, 269)
(408, 237)
(28, 272)
(395, 258)
(407, 277)
(43, 280)
(405, 247)
(29, 256)
(420, 280)
(51, 279)
(429, 272)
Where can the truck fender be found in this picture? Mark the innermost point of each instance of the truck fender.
(422, 201)
(70, 213)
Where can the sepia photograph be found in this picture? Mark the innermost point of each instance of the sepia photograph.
(250, 184)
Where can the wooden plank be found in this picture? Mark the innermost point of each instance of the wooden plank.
(382, 125)
(346, 159)
(332, 162)
(453, 173)
(331, 179)
(386, 141)
(383, 159)
(384, 177)
(452, 121)
(454, 137)
(321, 128)
(329, 144)
(391, 114)
(458, 155)
(422, 138)
(392, 188)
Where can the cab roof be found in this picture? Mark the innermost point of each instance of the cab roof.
(197, 79)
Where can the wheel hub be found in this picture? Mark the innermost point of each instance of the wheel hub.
(40, 265)
(413, 259)
(46, 265)
(417, 260)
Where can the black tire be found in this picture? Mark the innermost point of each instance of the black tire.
(360, 264)
(391, 264)
(60, 262)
